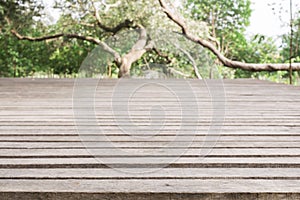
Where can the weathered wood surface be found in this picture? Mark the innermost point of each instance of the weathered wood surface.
(45, 154)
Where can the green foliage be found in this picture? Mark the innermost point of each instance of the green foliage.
(19, 13)
(223, 15)
(227, 20)
(20, 58)
(285, 52)
(295, 41)
(25, 58)
(260, 49)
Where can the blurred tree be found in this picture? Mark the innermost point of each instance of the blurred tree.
(218, 27)
(94, 21)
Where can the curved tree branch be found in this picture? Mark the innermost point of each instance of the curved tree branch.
(93, 40)
(174, 71)
(178, 19)
(193, 62)
(141, 46)
(142, 41)
(126, 24)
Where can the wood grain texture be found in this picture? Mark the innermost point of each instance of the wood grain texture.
(48, 151)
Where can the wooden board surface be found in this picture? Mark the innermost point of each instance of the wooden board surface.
(140, 139)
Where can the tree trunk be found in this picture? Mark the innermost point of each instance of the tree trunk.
(124, 69)
(127, 61)
(136, 52)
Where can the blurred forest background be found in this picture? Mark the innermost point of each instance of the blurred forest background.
(35, 45)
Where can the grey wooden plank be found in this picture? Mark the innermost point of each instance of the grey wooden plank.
(155, 173)
(143, 123)
(149, 152)
(152, 186)
(146, 196)
(150, 160)
(151, 138)
(141, 145)
(141, 129)
(106, 118)
(204, 132)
